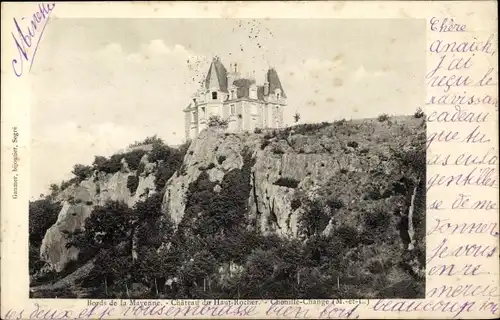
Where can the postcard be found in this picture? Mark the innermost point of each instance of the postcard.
(272, 160)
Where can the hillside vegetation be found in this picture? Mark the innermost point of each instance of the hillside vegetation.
(258, 219)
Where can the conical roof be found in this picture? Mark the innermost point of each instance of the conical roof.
(274, 81)
(216, 76)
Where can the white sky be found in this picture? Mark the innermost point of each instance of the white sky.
(101, 84)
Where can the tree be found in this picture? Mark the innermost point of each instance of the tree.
(42, 215)
(54, 188)
(81, 171)
(296, 117)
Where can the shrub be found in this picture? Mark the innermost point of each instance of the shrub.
(383, 117)
(111, 165)
(140, 169)
(419, 113)
(133, 158)
(309, 127)
(264, 143)
(211, 165)
(216, 121)
(335, 203)
(377, 220)
(221, 159)
(81, 171)
(314, 219)
(348, 235)
(132, 183)
(287, 182)
(150, 207)
(148, 140)
(296, 203)
(352, 144)
(257, 130)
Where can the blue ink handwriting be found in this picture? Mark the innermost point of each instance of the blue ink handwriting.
(25, 38)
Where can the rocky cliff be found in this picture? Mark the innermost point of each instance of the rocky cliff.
(357, 184)
(79, 200)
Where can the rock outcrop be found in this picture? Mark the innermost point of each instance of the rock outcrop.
(78, 202)
(305, 162)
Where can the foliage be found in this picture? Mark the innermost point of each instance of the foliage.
(81, 171)
(264, 143)
(107, 227)
(257, 130)
(296, 117)
(132, 183)
(149, 140)
(111, 165)
(169, 159)
(419, 113)
(352, 144)
(383, 117)
(309, 128)
(133, 158)
(217, 121)
(287, 182)
(359, 257)
(314, 219)
(43, 214)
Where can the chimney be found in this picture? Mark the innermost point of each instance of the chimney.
(266, 88)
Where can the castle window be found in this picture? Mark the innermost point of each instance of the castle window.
(232, 109)
(277, 95)
(203, 112)
(253, 93)
(232, 94)
(214, 95)
(194, 116)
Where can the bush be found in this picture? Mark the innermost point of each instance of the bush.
(110, 165)
(378, 220)
(335, 203)
(308, 128)
(287, 182)
(314, 219)
(383, 117)
(264, 143)
(216, 121)
(352, 144)
(81, 171)
(257, 130)
(149, 140)
(296, 203)
(132, 183)
(419, 113)
(133, 158)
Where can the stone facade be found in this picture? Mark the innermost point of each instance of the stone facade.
(239, 100)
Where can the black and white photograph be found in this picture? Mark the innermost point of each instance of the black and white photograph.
(225, 158)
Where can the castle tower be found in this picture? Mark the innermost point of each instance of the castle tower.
(275, 98)
(238, 99)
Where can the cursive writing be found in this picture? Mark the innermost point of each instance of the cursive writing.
(27, 37)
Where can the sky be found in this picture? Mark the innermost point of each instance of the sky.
(101, 84)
